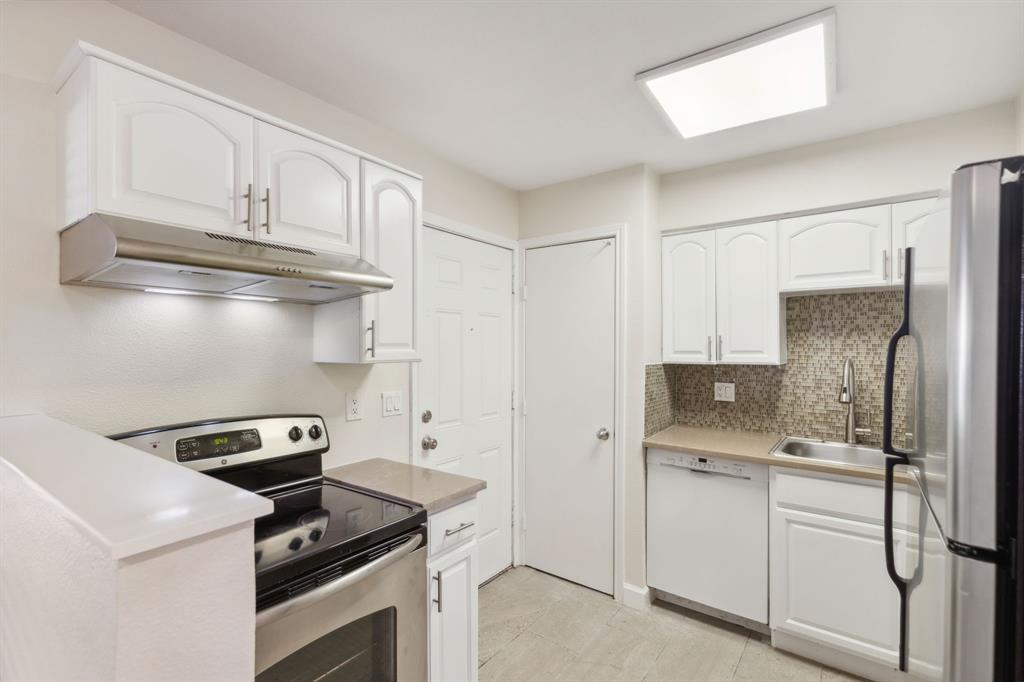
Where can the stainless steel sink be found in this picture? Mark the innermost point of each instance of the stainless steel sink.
(828, 451)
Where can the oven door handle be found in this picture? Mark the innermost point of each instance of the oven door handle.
(278, 611)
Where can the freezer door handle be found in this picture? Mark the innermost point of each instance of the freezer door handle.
(890, 364)
(891, 462)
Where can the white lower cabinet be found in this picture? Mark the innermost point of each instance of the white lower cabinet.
(828, 579)
(453, 571)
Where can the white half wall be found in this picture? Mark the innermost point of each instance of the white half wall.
(110, 361)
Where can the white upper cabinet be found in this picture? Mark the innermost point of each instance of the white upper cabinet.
(393, 229)
(308, 192)
(749, 324)
(166, 155)
(923, 225)
(688, 297)
(843, 249)
(382, 327)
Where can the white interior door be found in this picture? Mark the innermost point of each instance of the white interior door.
(466, 378)
(570, 397)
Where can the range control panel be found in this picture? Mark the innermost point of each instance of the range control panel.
(219, 443)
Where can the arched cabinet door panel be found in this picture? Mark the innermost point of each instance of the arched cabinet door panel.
(307, 191)
(842, 249)
(688, 298)
(924, 225)
(749, 324)
(392, 232)
(169, 156)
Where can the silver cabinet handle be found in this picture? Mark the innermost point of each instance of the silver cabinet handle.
(437, 601)
(709, 349)
(429, 443)
(248, 209)
(602, 433)
(267, 200)
(899, 262)
(372, 350)
(719, 347)
(455, 531)
(278, 611)
(885, 263)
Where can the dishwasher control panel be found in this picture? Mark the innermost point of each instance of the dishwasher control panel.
(712, 465)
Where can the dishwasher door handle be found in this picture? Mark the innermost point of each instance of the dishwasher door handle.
(703, 472)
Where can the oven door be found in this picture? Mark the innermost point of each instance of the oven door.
(370, 624)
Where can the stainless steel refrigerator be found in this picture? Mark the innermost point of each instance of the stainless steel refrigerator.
(952, 433)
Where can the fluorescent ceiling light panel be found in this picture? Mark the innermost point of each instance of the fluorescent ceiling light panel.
(777, 72)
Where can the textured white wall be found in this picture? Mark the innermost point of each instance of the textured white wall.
(110, 360)
(913, 157)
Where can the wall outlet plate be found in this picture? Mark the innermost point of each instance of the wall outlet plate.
(391, 404)
(725, 391)
(353, 407)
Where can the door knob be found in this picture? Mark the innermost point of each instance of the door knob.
(429, 443)
(426, 416)
(602, 433)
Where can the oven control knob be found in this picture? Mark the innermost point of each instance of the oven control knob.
(315, 535)
(295, 433)
(315, 432)
(295, 544)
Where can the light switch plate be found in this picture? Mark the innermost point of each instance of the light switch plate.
(391, 404)
(353, 407)
(725, 391)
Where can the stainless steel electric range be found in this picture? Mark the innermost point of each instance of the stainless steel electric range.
(340, 572)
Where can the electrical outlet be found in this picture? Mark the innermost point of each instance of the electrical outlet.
(353, 408)
(725, 391)
(391, 403)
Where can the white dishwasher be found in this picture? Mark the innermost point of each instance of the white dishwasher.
(707, 532)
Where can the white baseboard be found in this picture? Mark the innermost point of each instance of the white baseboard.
(837, 659)
(636, 597)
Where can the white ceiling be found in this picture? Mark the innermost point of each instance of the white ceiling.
(529, 93)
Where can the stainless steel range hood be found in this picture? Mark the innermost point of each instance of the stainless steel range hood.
(111, 251)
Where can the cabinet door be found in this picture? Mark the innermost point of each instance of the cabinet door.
(308, 192)
(166, 155)
(923, 225)
(835, 250)
(392, 234)
(748, 294)
(829, 583)
(453, 615)
(688, 297)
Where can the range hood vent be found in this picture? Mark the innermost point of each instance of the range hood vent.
(111, 251)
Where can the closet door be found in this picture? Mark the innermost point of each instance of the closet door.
(835, 250)
(308, 192)
(688, 297)
(166, 155)
(748, 296)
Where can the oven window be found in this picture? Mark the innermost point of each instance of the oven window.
(361, 651)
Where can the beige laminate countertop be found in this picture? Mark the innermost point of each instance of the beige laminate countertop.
(431, 489)
(747, 446)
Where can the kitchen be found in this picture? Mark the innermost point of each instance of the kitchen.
(482, 364)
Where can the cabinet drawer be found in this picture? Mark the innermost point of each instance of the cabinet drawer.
(451, 527)
(853, 499)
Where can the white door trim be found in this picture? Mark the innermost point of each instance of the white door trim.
(437, 222)
(618, 232)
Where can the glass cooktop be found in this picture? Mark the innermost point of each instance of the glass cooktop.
(321, 523)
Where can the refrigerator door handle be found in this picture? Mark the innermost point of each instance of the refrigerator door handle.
(890, 363)
(891, 462)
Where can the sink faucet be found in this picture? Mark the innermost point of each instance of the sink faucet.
(847, 396)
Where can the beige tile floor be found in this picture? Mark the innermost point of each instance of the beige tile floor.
(537, 627)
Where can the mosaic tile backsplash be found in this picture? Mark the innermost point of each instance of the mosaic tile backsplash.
(799, 398)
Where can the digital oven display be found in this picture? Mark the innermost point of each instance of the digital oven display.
(217, 444)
